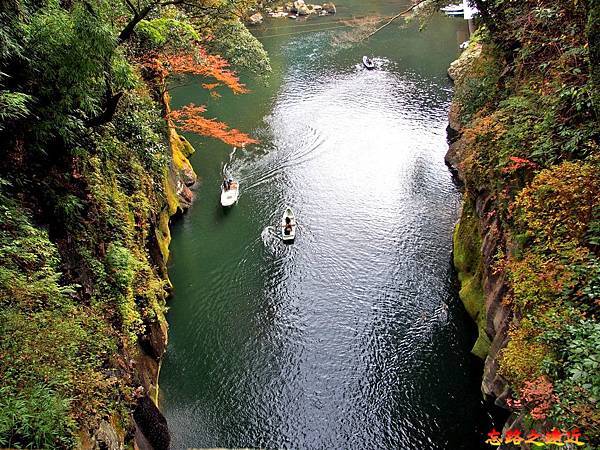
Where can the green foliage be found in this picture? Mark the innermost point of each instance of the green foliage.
(122, 72)
(141, 127)
(69, 57)
(52, 351)
(582, 358)
(85, 203)
(576, 371)
(531, 140)
(234, 42)
(69, 209)
(543, 124)
(34, 418)
(120, 264)
(121, 267)
(13, 106)
(166, 33)
(29, 274)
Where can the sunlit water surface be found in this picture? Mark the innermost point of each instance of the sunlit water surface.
(353, 337)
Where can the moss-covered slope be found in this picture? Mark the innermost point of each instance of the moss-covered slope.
(527, 249)
(83, 283)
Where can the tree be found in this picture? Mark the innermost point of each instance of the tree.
(190, 118)
(210, 11)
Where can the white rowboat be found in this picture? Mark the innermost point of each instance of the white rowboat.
(230, 196)
(453, 9)
(288, 235)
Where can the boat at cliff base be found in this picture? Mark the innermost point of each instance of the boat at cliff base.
(230, 191)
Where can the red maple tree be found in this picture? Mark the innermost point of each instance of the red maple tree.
(190, 118)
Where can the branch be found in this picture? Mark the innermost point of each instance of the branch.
(128, 30)
(108, 113)
(395, 17)
(176, 86)
(172, 2)
(131, 7)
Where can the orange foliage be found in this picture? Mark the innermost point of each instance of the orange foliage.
(190, 119)
(539, 396)
(200, 62)
(519, 163)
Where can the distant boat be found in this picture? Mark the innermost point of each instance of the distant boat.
(288, 230)
(453, 10)
(368, 63)
(230, 196)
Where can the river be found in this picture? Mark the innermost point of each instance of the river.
(354, 336)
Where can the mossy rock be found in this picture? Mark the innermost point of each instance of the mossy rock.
(481, 348)
(467, 260)
(471, 294)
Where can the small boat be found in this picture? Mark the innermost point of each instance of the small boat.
(368, 63)
(453, 10)
(288, 234)
(230, 196)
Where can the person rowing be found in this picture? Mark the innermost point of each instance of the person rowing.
(288, 227)
(227, 183)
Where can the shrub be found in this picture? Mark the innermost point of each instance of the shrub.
(556, 209)
(521, 359)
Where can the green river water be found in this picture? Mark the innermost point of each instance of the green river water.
(354, 336)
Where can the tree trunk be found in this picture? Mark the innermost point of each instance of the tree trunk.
(108, 113)
(126, 33)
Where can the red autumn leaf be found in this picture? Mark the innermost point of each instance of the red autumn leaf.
(189, 118)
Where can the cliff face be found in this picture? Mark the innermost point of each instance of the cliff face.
(151, 431)
(477, 238)
(92, 172)
(84, 239)
(151, 427)
(526, 244)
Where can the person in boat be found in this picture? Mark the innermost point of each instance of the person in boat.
(229, 183)
(288, 226)
(225, 184)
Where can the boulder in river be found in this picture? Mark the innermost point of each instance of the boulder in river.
(300, 8)
(255, 19)
(329, 8)
(303, 10)
(312, 9)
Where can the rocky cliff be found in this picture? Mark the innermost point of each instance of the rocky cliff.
(477, 238)
(84, 238)
(151, 430)
(526, 244)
